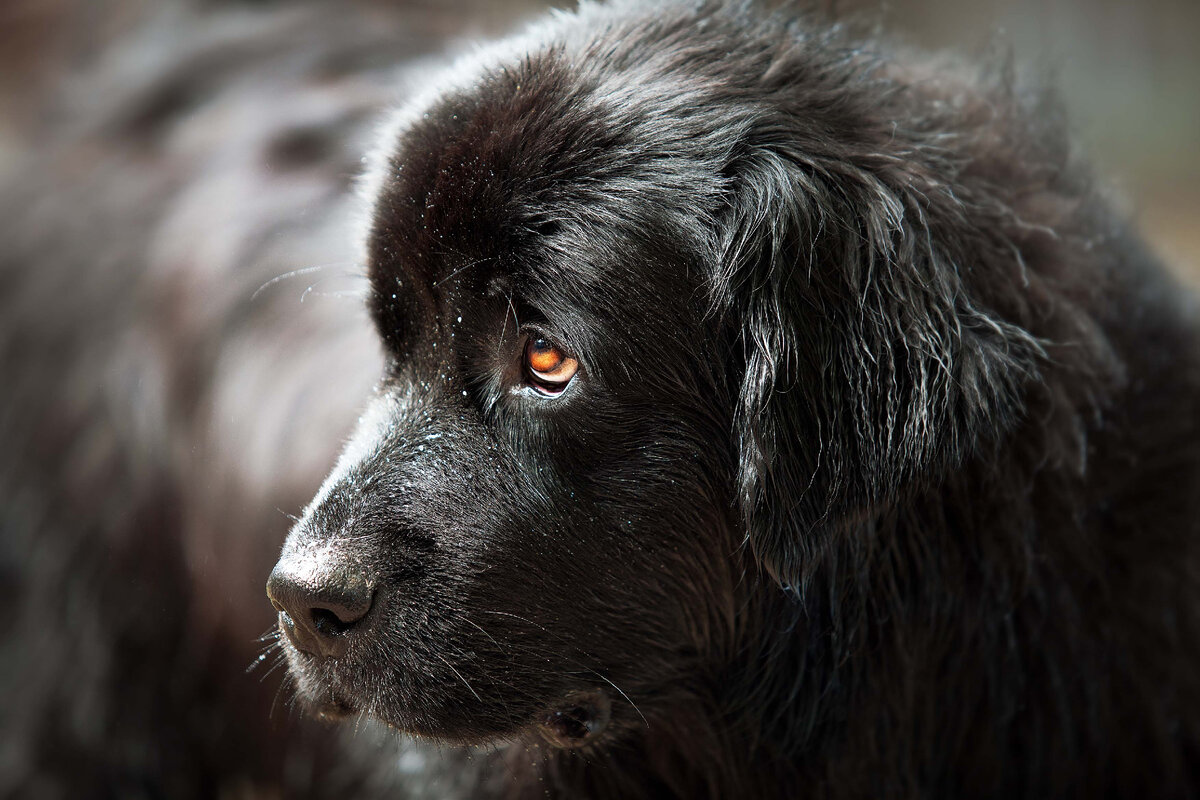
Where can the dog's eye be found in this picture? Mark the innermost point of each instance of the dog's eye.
(548, 367)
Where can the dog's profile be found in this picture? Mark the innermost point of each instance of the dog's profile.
(766, 414)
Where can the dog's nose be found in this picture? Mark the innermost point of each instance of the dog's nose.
(319, 606)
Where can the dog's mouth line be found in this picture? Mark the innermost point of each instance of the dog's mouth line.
(577, 718)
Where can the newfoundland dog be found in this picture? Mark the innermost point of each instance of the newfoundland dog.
(766, 414)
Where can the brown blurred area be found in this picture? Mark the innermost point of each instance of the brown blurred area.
(1129, 73)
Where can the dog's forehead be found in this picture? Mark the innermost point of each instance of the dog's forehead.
(538, 170)
(485, 174)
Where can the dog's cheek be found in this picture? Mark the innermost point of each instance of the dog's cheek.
(639, 560)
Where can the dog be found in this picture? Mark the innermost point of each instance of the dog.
(766, 414)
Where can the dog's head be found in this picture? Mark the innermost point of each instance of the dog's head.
(667, 302)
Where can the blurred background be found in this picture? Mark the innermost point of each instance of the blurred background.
(183, 345)
(1129, 73)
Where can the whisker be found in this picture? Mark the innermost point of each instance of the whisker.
(518, 617)
(516, 321)
(588, 669)
(463, 268)
(628, 699)
(272, 635)
(275, 700)
(292, 517)
(460, 677)
(281, 661)
(312, 286)
(479, 628)
(257, 662)
(272, 642)
(297, 272)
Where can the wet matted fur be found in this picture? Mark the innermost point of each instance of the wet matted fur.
(879, 472)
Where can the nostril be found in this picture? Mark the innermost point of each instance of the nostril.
(327, 623)
(318, 607)
(342, 609)
(340, 604)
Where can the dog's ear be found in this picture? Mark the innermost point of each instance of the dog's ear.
(874, 356)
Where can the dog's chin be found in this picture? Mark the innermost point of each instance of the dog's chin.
(578, 718)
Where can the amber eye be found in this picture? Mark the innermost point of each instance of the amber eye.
(547, 366)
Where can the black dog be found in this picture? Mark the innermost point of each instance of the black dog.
(764, 416)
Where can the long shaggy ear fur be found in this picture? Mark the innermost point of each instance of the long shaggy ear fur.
(872, 359)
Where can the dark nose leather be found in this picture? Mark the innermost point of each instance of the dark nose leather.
(321, 606)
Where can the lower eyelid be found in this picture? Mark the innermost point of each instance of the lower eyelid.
(553, 390)
(555, 377)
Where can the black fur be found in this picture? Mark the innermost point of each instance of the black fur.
(880, 475)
